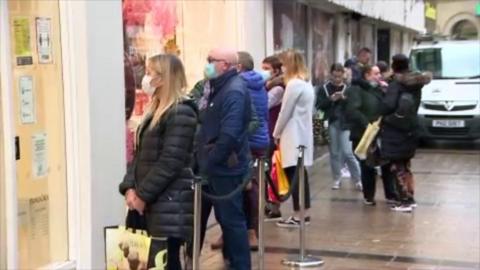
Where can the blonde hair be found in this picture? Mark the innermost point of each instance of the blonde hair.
(173, 87)
(294, 64)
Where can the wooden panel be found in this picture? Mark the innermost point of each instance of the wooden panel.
(41, 243)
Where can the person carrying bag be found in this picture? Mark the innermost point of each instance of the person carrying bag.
(158, 184)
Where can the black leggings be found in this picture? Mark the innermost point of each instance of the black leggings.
(173, 253)
(290, 172)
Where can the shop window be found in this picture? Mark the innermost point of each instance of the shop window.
(464, 29)
(149, 29)
(290, 26)
(323, 45)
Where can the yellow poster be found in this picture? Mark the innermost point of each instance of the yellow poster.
(21, 35)
(21, 31)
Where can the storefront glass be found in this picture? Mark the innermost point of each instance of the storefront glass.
(149, 28)
(323, 49)
(39, 127)
(290, 26)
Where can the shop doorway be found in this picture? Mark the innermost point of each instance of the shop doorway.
(37, 113)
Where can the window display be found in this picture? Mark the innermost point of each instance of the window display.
(290, 26)
(149, 28)
(323, 49)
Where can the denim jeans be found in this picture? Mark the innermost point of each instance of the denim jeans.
(341, 152)
(231, 216)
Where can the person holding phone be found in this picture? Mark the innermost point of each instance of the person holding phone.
(331, 100)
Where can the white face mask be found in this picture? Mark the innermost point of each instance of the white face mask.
(146, 86)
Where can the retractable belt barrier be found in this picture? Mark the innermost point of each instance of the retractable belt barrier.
(261, 213)
(198, 183)
(302, 260)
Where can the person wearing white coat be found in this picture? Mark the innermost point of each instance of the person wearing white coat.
(294, 127)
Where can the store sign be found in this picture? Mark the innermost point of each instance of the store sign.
(477, 9)
(430, 11)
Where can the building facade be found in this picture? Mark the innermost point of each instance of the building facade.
(459, 19)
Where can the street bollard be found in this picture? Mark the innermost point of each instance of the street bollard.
(302, 260)
(261, 213)
(197, 220)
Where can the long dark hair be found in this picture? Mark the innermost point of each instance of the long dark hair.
(274, 61)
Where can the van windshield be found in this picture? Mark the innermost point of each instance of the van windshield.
(453, 62)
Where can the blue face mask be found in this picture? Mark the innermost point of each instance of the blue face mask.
(266, 74)
(210, 71)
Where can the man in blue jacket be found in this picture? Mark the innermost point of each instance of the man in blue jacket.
(223, 150)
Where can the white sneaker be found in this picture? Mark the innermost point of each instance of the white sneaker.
(402, 208)
(292, 222)
(336, 185)
(358, 186)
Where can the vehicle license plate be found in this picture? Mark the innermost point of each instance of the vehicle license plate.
(449, 123)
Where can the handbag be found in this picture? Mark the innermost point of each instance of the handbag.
(130, 247)
(369, 135)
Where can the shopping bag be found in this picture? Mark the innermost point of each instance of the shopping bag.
(271, 194)
(368, 137)
(279, 173)
(126, 249)
(131, 248)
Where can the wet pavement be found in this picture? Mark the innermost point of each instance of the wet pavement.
(442, 233)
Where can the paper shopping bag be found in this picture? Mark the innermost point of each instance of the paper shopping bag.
(131, 248)
(125, 249)
(368, 136)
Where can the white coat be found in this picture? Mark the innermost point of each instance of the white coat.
(295, 122)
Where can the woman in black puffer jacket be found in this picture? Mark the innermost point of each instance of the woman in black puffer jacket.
(158, 184)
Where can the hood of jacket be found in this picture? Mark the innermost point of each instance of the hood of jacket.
(413, 81)
(254, 80)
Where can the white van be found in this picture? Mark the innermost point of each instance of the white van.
(450, 107)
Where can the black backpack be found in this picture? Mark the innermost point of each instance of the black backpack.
(405, 116)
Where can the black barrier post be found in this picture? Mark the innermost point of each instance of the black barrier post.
(261, 213)
(197, 220)
(302, 260)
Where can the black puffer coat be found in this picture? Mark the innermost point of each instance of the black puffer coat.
(161, 173)
(363, 107)
(399, 132)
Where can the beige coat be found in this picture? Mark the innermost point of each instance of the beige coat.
(295, 123)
